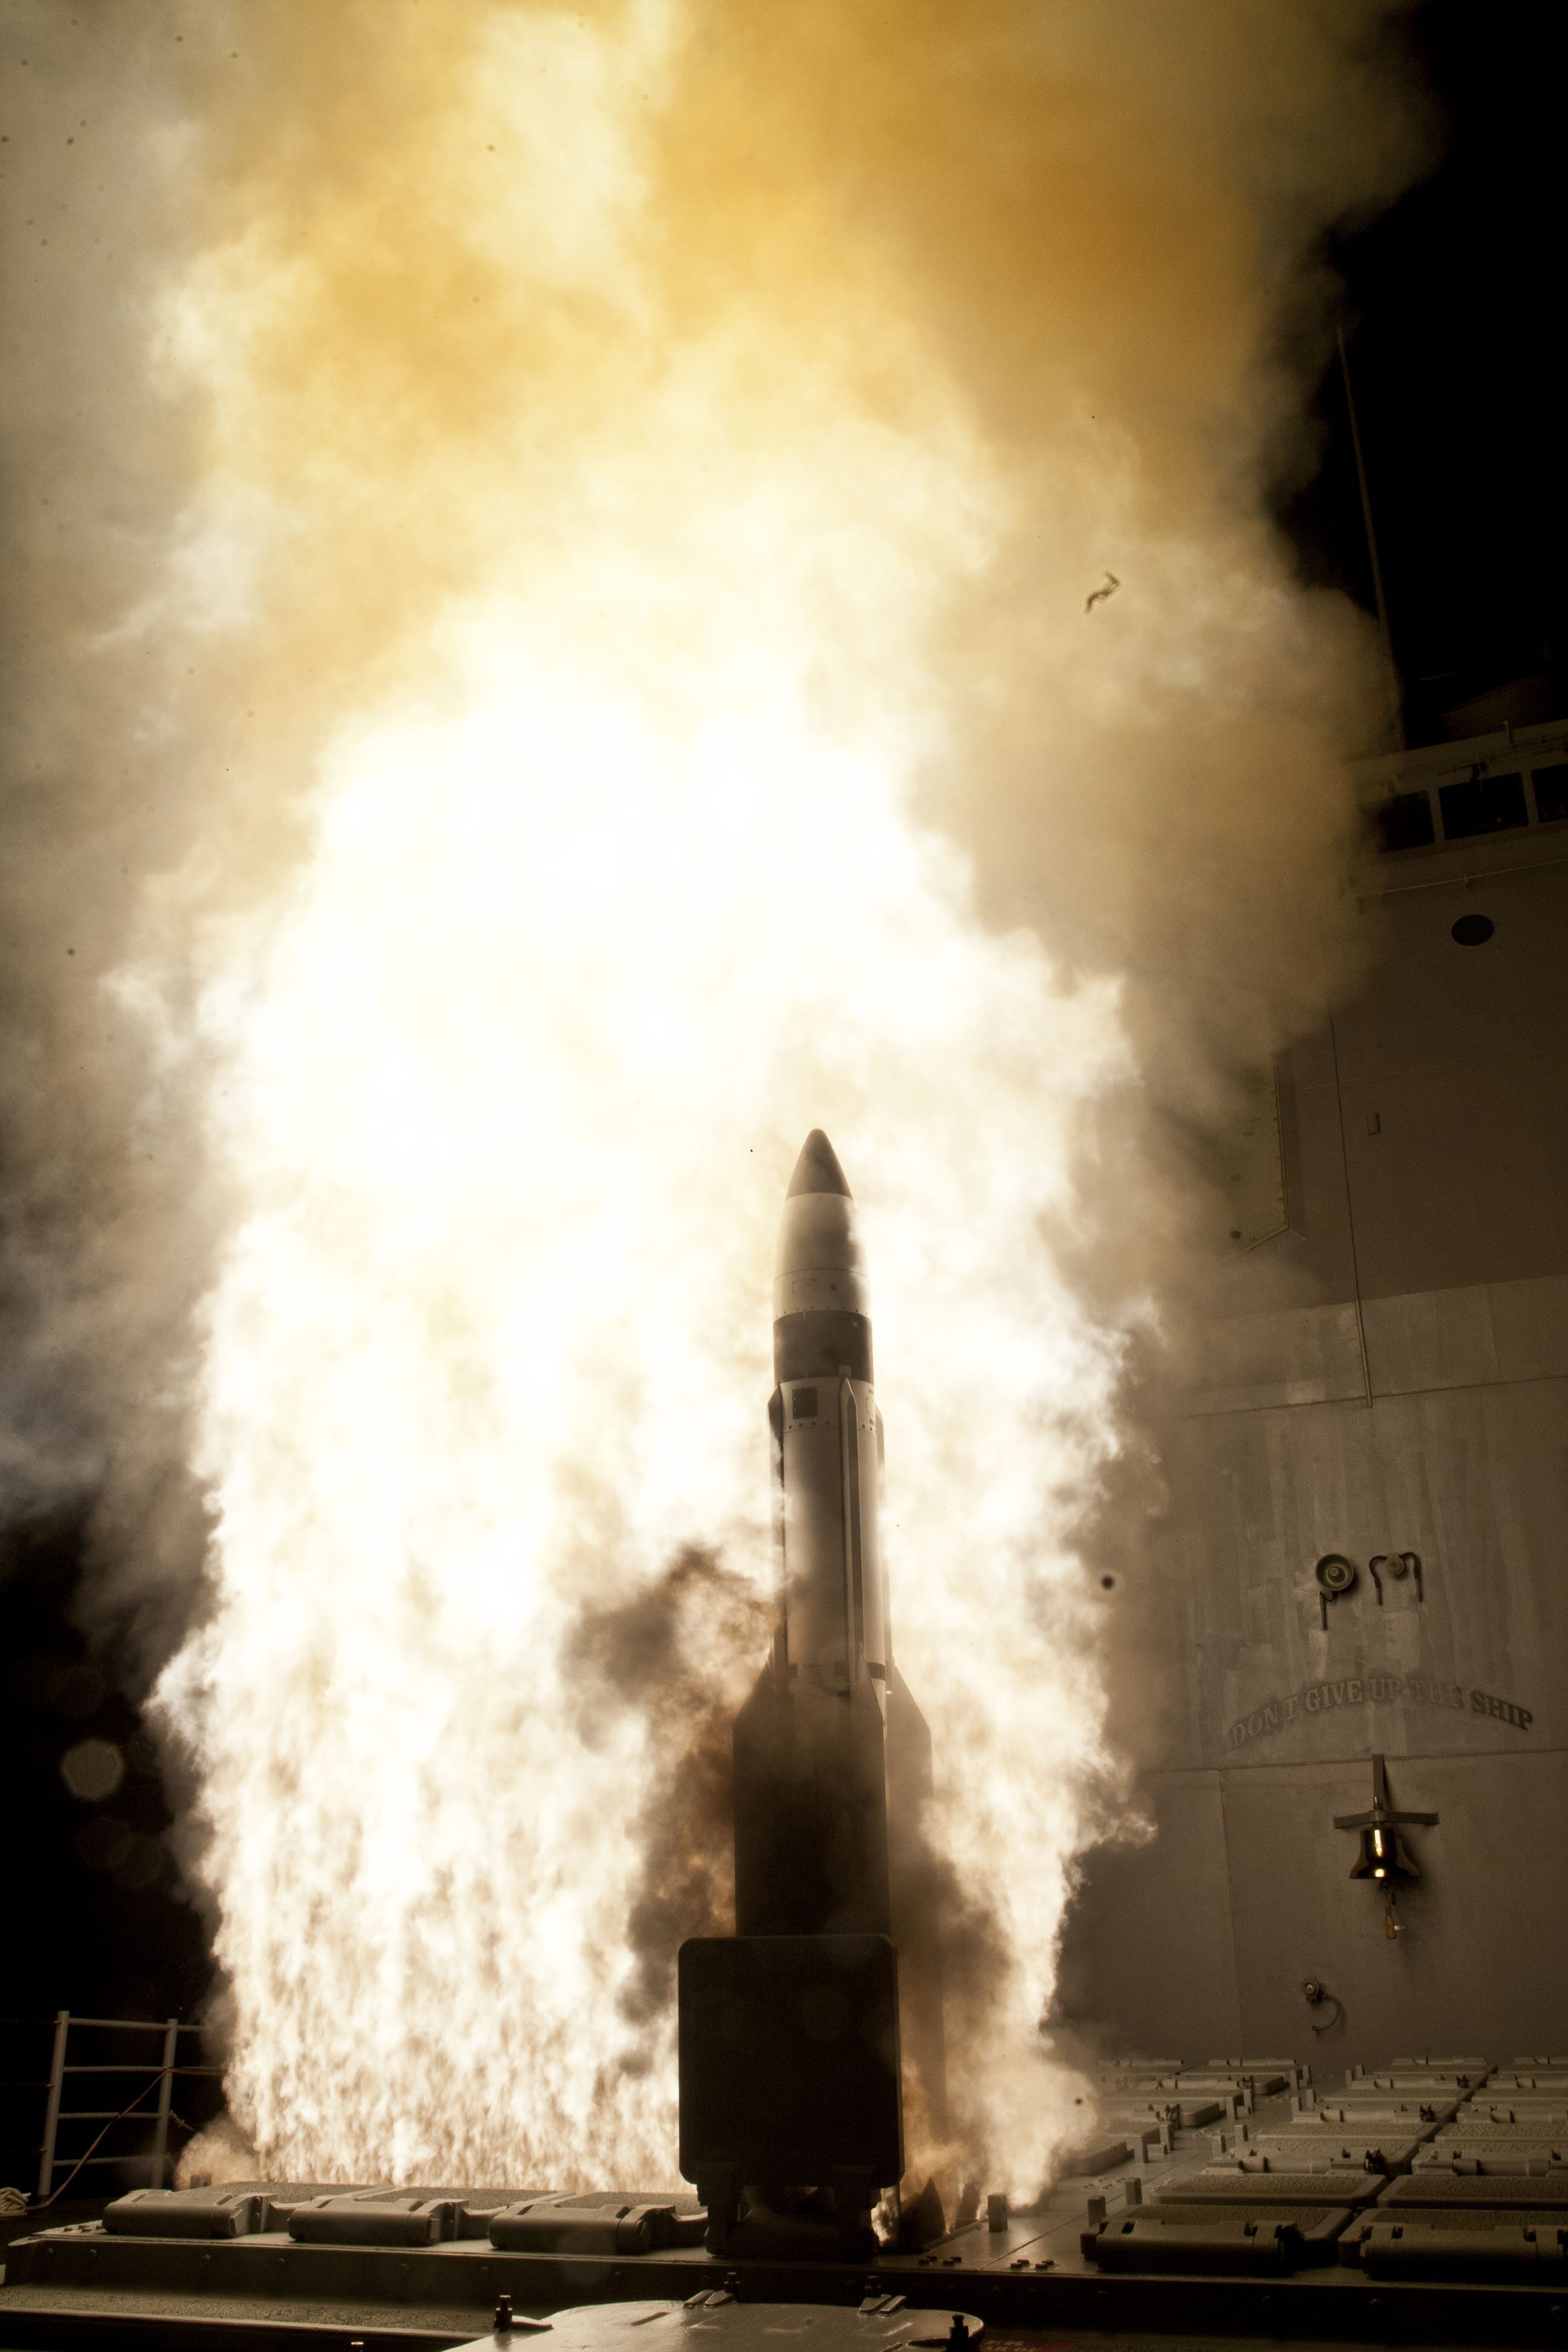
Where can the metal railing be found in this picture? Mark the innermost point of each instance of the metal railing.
(159, 2078)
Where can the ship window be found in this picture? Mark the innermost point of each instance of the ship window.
(1551, 794)
(806, 1404)
(1404, 821)
(1483, 804)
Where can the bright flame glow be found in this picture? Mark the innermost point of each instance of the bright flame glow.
(618, 589)
(510, 1095)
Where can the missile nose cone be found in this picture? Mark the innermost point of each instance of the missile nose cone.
(818, 1169)
(821, 1313)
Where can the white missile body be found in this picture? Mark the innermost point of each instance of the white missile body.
(832, 1776)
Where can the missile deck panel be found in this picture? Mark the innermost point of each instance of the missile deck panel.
(1297, 2151)
(1158, 2245)
(1474, 2191)
(1496, 2152)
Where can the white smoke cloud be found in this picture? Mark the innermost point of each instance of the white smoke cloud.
(569, 669)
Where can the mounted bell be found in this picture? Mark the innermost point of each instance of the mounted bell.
(1383, 1855)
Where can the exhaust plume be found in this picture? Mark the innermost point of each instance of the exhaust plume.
(564, 646)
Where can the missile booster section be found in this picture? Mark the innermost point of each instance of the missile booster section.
(834, 1887)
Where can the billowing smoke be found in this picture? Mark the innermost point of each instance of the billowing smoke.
(556, 649)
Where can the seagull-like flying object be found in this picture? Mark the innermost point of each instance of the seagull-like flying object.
(1097, 596)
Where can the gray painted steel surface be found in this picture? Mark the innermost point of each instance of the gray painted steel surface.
(1386, 1379)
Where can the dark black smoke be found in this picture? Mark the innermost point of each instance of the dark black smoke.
(679, 1654)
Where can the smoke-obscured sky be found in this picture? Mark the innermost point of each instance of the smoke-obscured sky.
(116, 771)
(1445, 303)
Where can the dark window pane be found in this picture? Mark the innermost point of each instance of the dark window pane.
(1485, 805)
(806, 1404)
(1551, 794)
(1404, 821)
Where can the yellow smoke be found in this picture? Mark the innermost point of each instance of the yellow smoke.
(647, 466)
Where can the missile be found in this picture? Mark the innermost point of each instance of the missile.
(832, 1757)
(828, 1440)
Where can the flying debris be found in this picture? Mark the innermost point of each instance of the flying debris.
(1097, 596)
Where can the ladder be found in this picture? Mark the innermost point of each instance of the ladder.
(160, 2077)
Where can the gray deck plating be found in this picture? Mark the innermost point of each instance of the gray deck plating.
(80, 2287)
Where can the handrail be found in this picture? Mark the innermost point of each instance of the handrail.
(159, 2078)
(117, 2069)
(132, 2025)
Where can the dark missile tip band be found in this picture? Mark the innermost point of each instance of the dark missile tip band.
(818, 1169)
(820, 1344)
